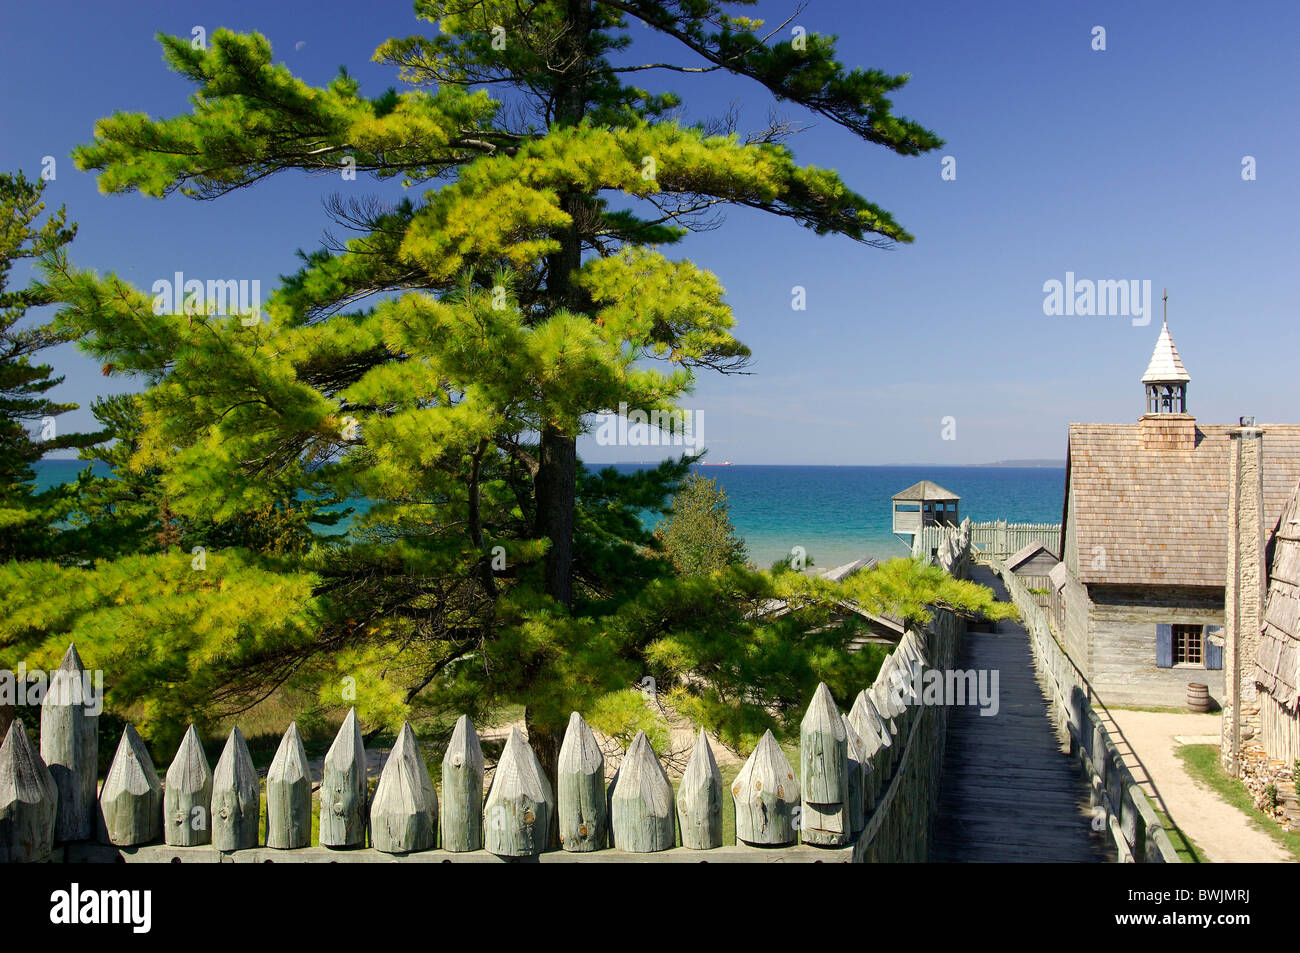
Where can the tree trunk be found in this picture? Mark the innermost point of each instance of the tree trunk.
(558, 464)
(545, 740)
(555, 487)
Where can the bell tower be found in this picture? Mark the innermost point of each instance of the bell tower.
(1167, 425)
(1166, 379)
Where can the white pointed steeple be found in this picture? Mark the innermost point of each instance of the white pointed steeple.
(1166, 379)
(1166, 366)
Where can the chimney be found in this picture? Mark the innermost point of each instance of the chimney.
(1167, 431)
(1245, 590)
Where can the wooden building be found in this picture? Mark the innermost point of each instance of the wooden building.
(1033, 564)
(1140, 603)
(923, 504)
(1277, 658)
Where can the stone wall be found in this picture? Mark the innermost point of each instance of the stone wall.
(1245, 592)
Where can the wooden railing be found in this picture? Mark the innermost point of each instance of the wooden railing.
(1134, 827)
(1001, 539)
(867, 790)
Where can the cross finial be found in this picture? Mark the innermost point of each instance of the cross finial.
(1166, 301)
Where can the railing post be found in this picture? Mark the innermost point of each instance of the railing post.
(767, 797)
(131, 802)
(70, 747)
(236, 798)
(520, 806)
(187, 795)
(824, 773)
(462, 789)
(581, 802)
(699, 799)
(343, 788)
(404, 811)
(29, 800)
(641, 801)
(288, 794)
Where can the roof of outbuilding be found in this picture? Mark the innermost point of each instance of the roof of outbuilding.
(1029, 552)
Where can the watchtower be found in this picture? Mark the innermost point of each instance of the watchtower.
(923, 504)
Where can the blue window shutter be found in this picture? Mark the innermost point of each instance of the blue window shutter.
(1164, 646)
(1213, 652)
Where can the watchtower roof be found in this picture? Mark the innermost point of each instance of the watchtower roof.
(924, 492)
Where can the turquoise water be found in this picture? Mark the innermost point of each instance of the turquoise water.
(837, 514)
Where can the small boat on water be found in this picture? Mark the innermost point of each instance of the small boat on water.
(724, 463)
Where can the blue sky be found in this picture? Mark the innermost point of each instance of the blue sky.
(1116, 164)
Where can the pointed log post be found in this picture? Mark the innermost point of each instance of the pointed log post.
(29, 800)
(882, 698)
(404, 811)
(343, 788)
(767, 797)
(870, 730)
(699, 799)
(131, 802)
(888, 712)
(908, 671)
(580, 790)
(641, 802)
(824, 773)
(236, 799)
(288, 794)
(858, 769)
(70, 747)
(520, 806)
(187, 795)
(462, 789)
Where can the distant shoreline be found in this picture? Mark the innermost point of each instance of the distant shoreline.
(1003, 464)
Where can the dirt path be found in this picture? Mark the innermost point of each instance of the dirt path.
(1221, 832)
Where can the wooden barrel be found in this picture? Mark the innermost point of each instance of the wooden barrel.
(1198, 697)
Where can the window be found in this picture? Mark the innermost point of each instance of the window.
(1188, 645)
(1198, 645)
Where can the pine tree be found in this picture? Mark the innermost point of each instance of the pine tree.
(441, 363)
(699, 537)
(27, 518)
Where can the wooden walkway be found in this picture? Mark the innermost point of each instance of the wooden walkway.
(1009, 791)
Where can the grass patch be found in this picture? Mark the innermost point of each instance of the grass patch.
(1184, 846)
(1155, 708)
(1203, 765)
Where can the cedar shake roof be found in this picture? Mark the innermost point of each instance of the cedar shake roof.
(924, 491)
(1033, 549)
(1277, 660)
(1166, 366)
(1160, 516)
